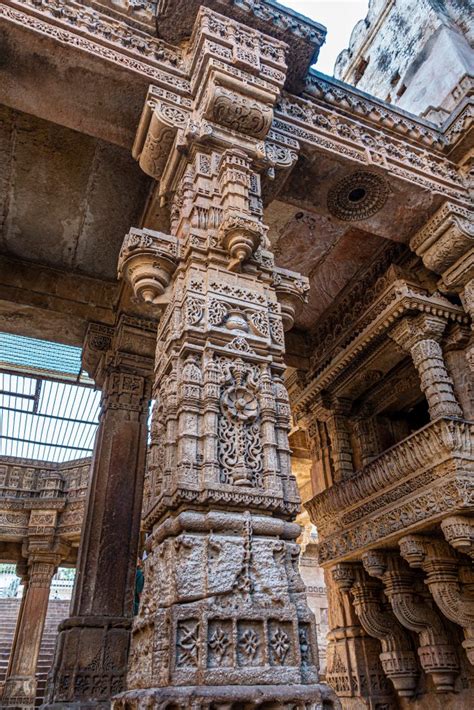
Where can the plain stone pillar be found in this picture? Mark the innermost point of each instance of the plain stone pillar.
(92, 646)
(20, 684)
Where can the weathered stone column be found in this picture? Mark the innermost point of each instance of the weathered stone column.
(20, 684)
(223, 618)
(92, 646)
(330, 439)
(22, 573)
(366, 433)
(420, 337)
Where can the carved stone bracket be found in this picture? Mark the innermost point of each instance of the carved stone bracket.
(397, 657)
(147, 260)
(436, 652)
(441, 565)
(292, 291)
(459, 532)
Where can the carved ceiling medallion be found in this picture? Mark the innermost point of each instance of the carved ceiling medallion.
(357, 196)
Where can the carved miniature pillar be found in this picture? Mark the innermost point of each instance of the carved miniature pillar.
(398, 658)
(20, 683)
(333, 413)
(223, 608)
(366, 433)
(92, 645)
(320, 450)
(436, 652)
(353, 656)
(420, 337)
(442, 567)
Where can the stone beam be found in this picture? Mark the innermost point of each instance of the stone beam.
(325, 119)
(108, 68)
(58, 305)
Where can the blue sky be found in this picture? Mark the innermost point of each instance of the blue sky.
(339, 16)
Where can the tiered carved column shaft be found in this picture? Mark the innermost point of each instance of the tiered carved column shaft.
(91, 650)
(223, 609)
(330, 440)
(420, 337)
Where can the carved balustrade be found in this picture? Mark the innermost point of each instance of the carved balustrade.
(27, 485)
(419, 481)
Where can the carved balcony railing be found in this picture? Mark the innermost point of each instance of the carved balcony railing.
(27, 485)
(416, 483)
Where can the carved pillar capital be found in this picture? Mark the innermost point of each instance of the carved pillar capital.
(446, 238)
(409, 332)
(128, 346)
(459, 532)
(343, 576)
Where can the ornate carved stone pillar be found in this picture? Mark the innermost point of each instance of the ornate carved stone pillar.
(91, 650)
(20, 684)
(366, 433)
(436, 652)
(420, 337)
(353, 656)
(377, 619)
(329, 433)
(442, 567)
(223, 618)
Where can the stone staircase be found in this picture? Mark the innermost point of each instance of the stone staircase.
(57, 611)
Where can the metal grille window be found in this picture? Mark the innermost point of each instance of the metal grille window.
(48, 409)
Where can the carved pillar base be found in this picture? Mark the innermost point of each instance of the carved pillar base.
(306, 697)
(92, 653)
(355, 672)
(19, 692)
